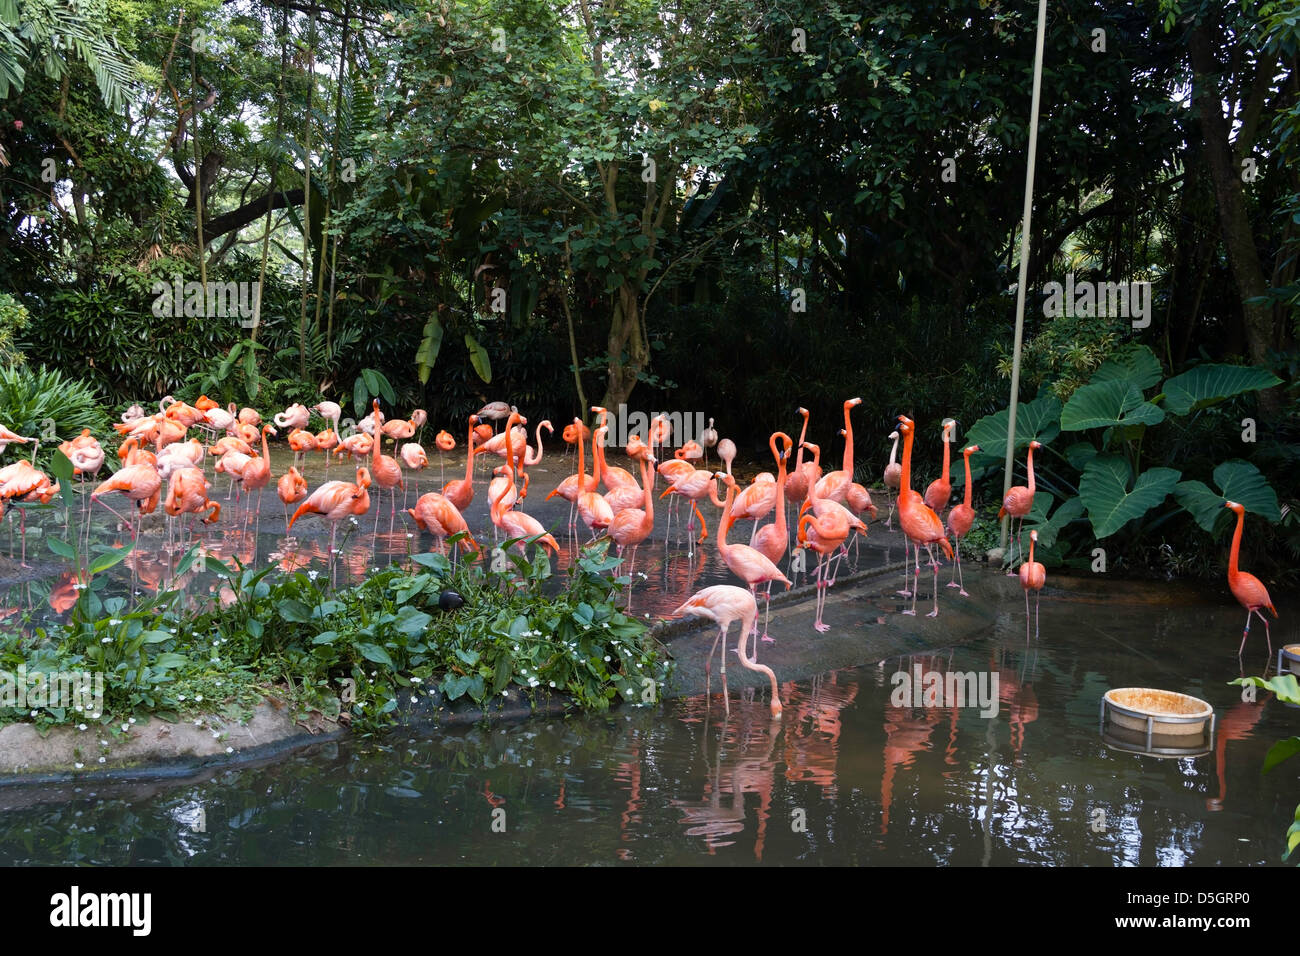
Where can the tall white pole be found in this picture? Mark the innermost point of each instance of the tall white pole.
(1024, 256)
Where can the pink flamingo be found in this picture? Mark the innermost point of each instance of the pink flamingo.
(336, 500)
(631, 526)
(939, 491)
(893, 474)
(750, 565)
(960, 519)
(1245, 587)
(437, 515)
(1033, 576)
(834, 485)
(723, 604)
(920, 524)
(1019, 500)
(571, 487)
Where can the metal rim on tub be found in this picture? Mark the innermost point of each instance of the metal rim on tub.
(1152, 721)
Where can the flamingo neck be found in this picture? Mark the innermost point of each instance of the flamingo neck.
(469, 462)
(947, 453)
(848, 442)
(905, 478)
(780, 498)
(893, 453)
(724, 522)
(649, 520)
(1236, 544)
(1031, 470)
(966, 500)
(798, 458)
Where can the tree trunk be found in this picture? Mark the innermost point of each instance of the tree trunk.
(626, 335)
(1234, 219)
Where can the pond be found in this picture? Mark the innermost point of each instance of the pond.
(845, 778)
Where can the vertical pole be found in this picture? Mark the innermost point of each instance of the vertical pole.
(1024, 256)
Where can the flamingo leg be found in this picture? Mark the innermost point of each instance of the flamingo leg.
(767, 606)
(935, 586)
(905, 592)
(1026, 615)
(916, 581)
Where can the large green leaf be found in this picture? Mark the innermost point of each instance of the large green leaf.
(430, 345)
(1108, 403)
(1036, 420)
(1049, 528)
(1103, 488)
(1210, 384)
(1238, 481)
(478, 357)
(1135, 364)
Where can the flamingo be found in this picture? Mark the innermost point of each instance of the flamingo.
(414, 458)
(756, 500)
(960, 519)
(1033, 576)
(1019, 499)
(823, 506)
(796, 484)
(22, 482)
(358, 446)
(631, 526)
(336, 500)
(571, 487)
(727, 452)
(435, 514)
(133, 414)
(301, 441)
(387, 473)
(461, 491)
(722, 604)
(399, 429)
(825, 534)
(326, 440)
(187, 493)
(661, 430)
(139, 483)
(531, 458)
(257, 473)
(294, 417)
(292, 488)
(708, 438)
(834, 485)
(496, 411)
(571, 433)
(187, 454)
(920, 524)
(772, 540)
(750, 565)
(593, 509)
(611, 475)
(443, 442)
(695, 485)
(893, 473)
(516, 524)
(252, 418)
(1246, 588)
(939, 491)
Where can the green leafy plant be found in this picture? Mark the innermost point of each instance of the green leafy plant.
(1287, 690)
(46, 404)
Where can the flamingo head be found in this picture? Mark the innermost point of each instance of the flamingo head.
(546, 423)
(893, 435)
(1033, 536)
(1239, 509)
(363, 477)
(970, 450)
(949, 429)
(815, 449)
(268, 429)
(1035, 445)
(802, 411)
(852, 402)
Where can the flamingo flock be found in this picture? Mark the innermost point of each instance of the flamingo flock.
(161, 463)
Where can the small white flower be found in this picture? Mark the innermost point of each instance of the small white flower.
(113, 622)
(198, 722)
(413, 700)
(552, 683)
(230, 750)
(81, 726)
(131, 721)
(198, 698)
(215, 734)
(80, 709)
(103, 743)
(417, 680)
(313, 575)
(95, 716)
(218, 683)
(106, 640)
(36, 713)
(79, 765)
(606, 658)
(125, 728)
(216, 643)
(173, 630)
(182, 696)
(103, 759)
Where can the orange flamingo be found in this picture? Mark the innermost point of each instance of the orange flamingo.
(920, 523)
(825, 534)
(822, 506)
(772, 540)
(387, 473)
(301, 441)
(1033, 576)
(435, 514)
(574, 485)
(960, 519)
(257, 473)
(1018, 501)
(939, 491)
(444, 443)
(22, 482)
(723, 604)
(631, 526)
(611, 475)
(461, 491)
(695, 485)
(139, 483)
(834, 485)
(292, 488)
(593, 509)
(1246, 588)
(336, 500)
(187, 493)
(796, 484)
(516, 524)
